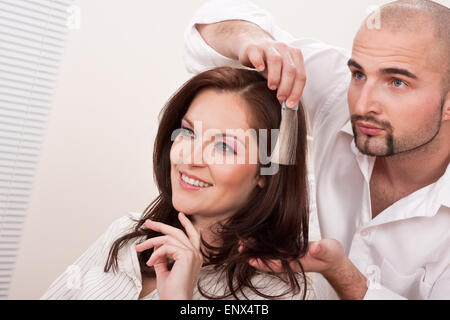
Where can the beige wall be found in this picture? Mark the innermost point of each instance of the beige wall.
(117, 72)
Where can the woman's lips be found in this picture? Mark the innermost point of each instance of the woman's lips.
(368, 129)
(186, 186)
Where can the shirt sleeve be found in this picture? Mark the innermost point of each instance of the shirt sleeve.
(441, 288)
(325, 65)
(68, 284)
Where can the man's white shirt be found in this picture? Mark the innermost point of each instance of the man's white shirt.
(405, 250)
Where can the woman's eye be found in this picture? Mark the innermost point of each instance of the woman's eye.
(186, 132)
(224, 147)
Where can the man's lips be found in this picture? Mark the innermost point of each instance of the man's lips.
(368, 129)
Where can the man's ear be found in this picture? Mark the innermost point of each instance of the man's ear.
(446, 111)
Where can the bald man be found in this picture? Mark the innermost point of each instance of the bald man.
(380, 121)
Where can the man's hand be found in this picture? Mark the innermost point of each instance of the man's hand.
(282, 65)
(328, 258)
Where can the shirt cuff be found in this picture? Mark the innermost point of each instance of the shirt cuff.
(382, 293)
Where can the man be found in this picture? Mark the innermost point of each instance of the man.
(380, 119)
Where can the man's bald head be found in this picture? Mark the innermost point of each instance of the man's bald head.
(418, 16)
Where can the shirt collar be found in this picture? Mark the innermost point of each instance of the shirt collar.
(443, 187)
(347, 128)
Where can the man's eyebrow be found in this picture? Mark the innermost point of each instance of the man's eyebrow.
(403, 72)
(353, 63)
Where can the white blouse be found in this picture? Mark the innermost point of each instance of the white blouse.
(86, 280)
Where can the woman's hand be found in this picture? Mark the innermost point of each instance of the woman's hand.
(179, 282)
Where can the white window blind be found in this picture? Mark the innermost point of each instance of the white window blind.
(32, 36)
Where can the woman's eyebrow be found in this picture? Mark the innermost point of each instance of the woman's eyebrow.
(225, 135)
(188, 121)
(220, 135)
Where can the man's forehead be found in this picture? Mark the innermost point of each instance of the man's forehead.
(384, 46)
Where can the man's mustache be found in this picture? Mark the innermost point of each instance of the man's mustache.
(372, 120)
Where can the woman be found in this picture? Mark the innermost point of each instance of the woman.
(223, 206)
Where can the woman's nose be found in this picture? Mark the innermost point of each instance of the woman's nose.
(198, 153)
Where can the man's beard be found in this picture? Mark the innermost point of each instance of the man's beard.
(392, 145)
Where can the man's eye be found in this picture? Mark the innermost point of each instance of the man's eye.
(358, 75)
(398, 83)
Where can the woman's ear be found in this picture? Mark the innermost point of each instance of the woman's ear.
(261, 181)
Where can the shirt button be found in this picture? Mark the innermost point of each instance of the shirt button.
(364, 233)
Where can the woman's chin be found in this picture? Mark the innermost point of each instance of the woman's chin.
(182, 207)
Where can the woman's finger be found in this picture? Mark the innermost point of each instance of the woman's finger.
(192, 233)
(162, 252)
(156, 242)
(168, 230)
(161, 269)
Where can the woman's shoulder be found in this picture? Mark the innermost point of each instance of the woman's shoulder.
(124, 224)
(213, 281)
(274, 285)
(119, 227)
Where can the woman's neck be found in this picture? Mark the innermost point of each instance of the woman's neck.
(207, 228)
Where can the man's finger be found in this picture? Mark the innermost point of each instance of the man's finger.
(300, 79)
(256, 57)
(288, 74)
(274, 64)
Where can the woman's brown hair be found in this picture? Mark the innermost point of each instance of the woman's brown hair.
(273, 223)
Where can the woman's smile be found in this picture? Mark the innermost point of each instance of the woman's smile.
(190, 184)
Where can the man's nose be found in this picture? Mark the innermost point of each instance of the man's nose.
(368, 101)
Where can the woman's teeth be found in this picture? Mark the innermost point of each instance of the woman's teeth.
(194, 182)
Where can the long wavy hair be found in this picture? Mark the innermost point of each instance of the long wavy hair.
(273, 223)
